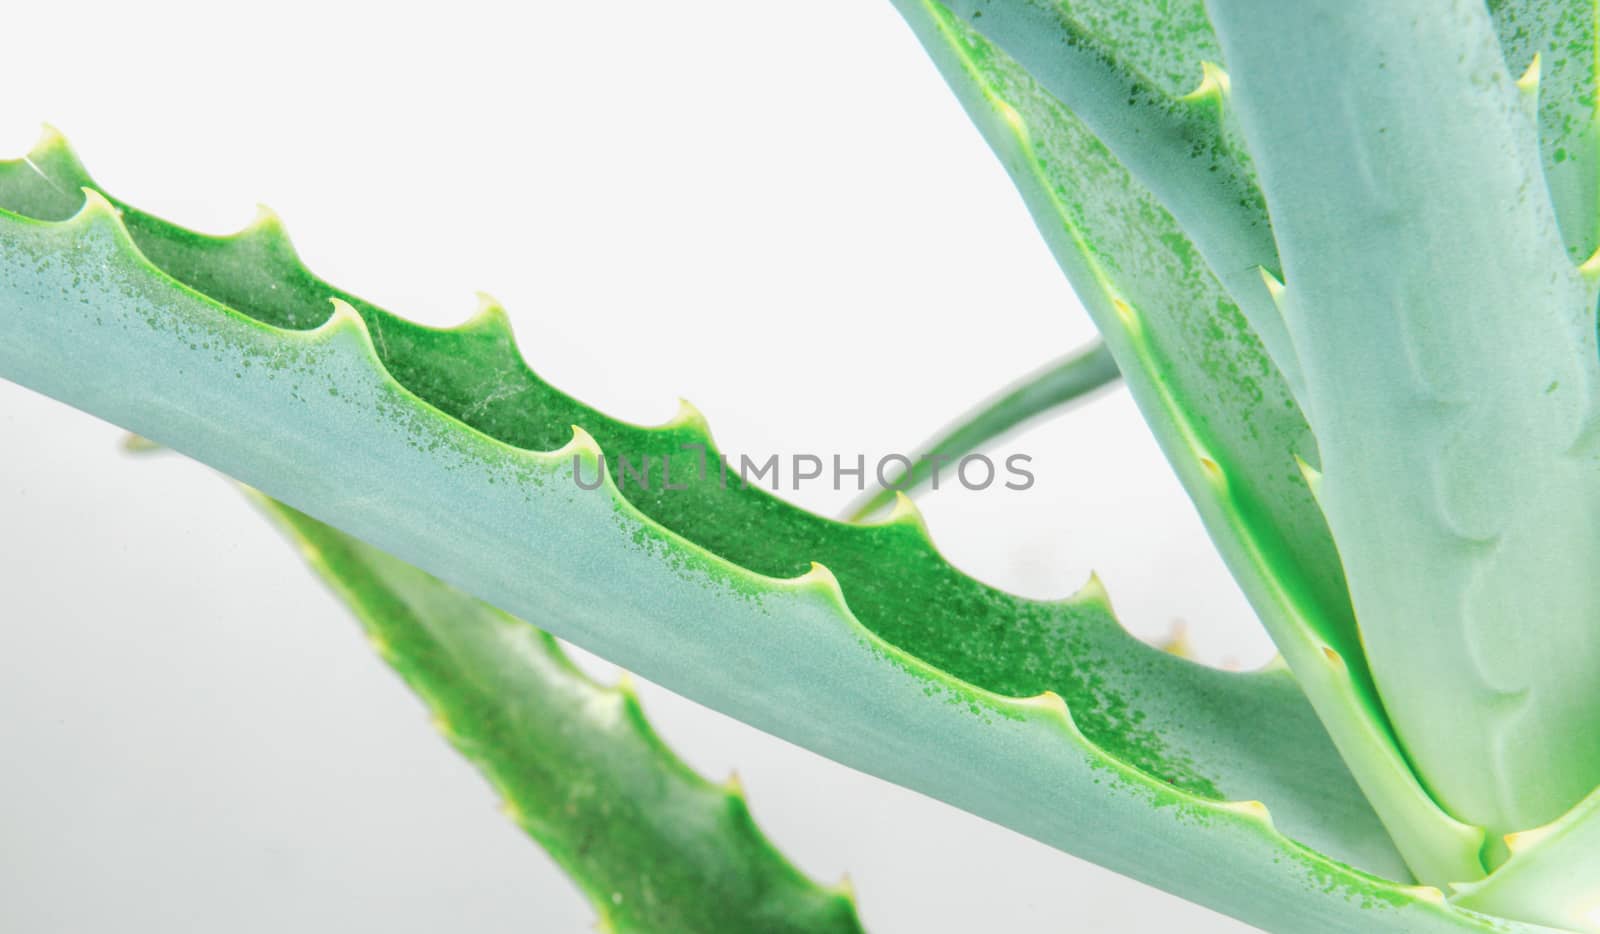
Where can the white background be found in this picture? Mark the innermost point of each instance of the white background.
(774, 210)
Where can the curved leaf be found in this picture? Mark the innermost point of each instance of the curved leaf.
(905, 681)
(1114, 65)
(655, 847)
(1549, 874)
(1220, 410)
(1454, 390)
(1059, 384)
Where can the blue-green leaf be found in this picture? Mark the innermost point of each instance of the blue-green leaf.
(891, 662)
(1220, 409)
(1448, 348)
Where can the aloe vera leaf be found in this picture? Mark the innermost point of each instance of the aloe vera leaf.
(1548, 877)
(1451, 386)
(314, 414)
(781, 648)
(1221, 412)
(1122, 69)
(993, 640)
(1058, 384)
(654, 846)
(1553, 44)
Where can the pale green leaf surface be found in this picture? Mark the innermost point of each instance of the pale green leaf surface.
(1219, 409)
(1549, 875)
(1451, 383)
(306, 410)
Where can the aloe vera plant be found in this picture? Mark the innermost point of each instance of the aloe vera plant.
(1342, 255)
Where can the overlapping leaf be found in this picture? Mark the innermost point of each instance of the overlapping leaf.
(1448, 344)
(427, 443)
(1222, 411)
(1082, 83)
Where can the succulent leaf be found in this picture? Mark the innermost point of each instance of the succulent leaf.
(1221, 411)
(1451, 385)
(1059, 384)
(435, 447)
(653, 845)
(1349, 264)
(1139, 76)
(1548, 876)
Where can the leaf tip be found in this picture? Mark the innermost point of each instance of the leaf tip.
(139, 444)
(1524, 840)
(1275, 286)
(1093, 592)
(381, 646)
(818, 576)
(488, 314)
(1589, 269)
(1251, 808)
(509, 809)
(97, 205)
(905, 512)
(1426, 893)
(50, 142)
(1311, 475)
(688, 416)
(1177, 641)
(1528, 84)
(1048, 701)
(442, 726)
(266, 225)
(1215, 85)
(845, 888)
(581, 445)
(344, 316)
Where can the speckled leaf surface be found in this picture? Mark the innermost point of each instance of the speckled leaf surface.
(1555, 43)
(441, 448)
(1220, 409)
(1429, 260)
(654, 846)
